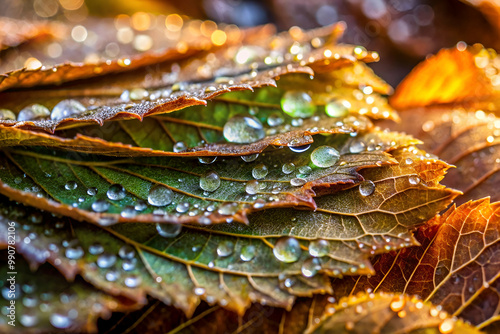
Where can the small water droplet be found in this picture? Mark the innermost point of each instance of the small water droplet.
(357, 147)
(116, 192)
(336, 108)
(28, 318)
(247, 253)
(366, 188)
(132, 281)
(250, 158)
(140, 206)
(243, 130)
(74, 252)
(128, 212)
(33, 112)
(413, 179)
(182, 207)
(70, 185)
(179, 146)
(60, 321)
(225, 248)
(199, 291)
(311, 267)
(298, 104)
(252, 187)
(138, 94)
(96, 249)
(67, 108)
(287, 250)
(319, 247)
(210, 181)
(228, 209)
(160, 195)
(299, 149)
(126, 252)
(260, 171)
(112, 275)
(275, 119)
(92, 191)
(100, 206)
(168, 230)
(207, 160)
(325, 156)
(297, 182)
(106, 260)
(409, 161)
(288, 168)
(129, 264)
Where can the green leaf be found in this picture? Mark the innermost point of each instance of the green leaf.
(63, 183)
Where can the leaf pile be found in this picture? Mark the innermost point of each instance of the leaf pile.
(243, 170)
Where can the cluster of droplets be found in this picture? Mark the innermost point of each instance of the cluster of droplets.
(64, 109)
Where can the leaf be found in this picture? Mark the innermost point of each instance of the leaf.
(191, 82)
(61, 182)
(197, 124)
(46, 303)
(456, 267)
(14, 32)
(194, 262)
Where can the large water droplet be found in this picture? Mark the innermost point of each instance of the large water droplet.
(252, 187)
(298, 104)
(60, 321)
(247, 253)
(311, 267)
(67, 108)
(169, 230)
(250, 158)
(106, 260)
(7, 115)
(225, 248)
(70, 185)
(287, 250)
(366, 188)
(116, 192)
(288, 168)
(318, 248)
(336, 108)
(100, 206)
(243, 130)
(260, 171)
(160, 195)
(210, 181)
(325, 156)
(33, 112)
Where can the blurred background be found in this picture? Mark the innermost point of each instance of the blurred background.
(404, 32)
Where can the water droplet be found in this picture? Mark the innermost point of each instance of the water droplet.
(306, 170)
(357, 147)
(447, 326)
(116, 192)
(210, 181)
(180, 146)
(289, 282)
(106, 260)
(311, 267)
(96, 249)
(250, 158)
(132, 281)
(100, 206)
(169, 230)
(319, 248)
(397, 304)
(126, 252)
(298, 104)
(128, 212)
(243, 130)
(366, 188)
(247, 253)
(299, 149)
(140, 206)
(70, 185)
(67, 108)
(252, 187)
(409, 161)
(138, 94)
(325, 156)
(74, 252)
(225, 248)
(125, 96)
(413, 179)
(160, 195)
(7, 115)
(92, 191)
(112, 275)
(288, 168)
(33, 112)
(129, 264)
(182, 207)
(275, 119)
(207, 160)
(297, 182)
(60, 321)
(287, 250)
(260, 171)
(336, 108)
(28, 318)
(199, 291)
(228, 209)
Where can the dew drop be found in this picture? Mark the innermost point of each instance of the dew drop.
(60, 321)
(160, 195)
(126, 252)
(100, 206)
(250, 158)
(228, 209)
(357, 147)
(33, 112)
(297, 182)
(275, 119)
(319, 247)
(247, 253)
(129, 264)
(299, 149)
(287, 250)
(92, 191)
(207, 160)
(112, 275)
(409, 161)
(225, 248)
(413, 179)
(182, 207)
(168, 230)
(306, 170)
(70, 185)
(138, 94)
(128, 212)
(7, 115)
(243, 130)
(96, 249)
(140, 206)
(28, 318)
(325, 156)
(298, 104)
(132, 281)
(67, 108)
(252, 187)
(199, 291)
(366, 188)
(116, 192)
(74, 253)
(336, 108)
(260, 171)
(210, 181)
(288, 168)
(447, 326)
(311, 267)
(106, 260)
(179, 146)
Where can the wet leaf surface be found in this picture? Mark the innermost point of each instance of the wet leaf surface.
(107, 190)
